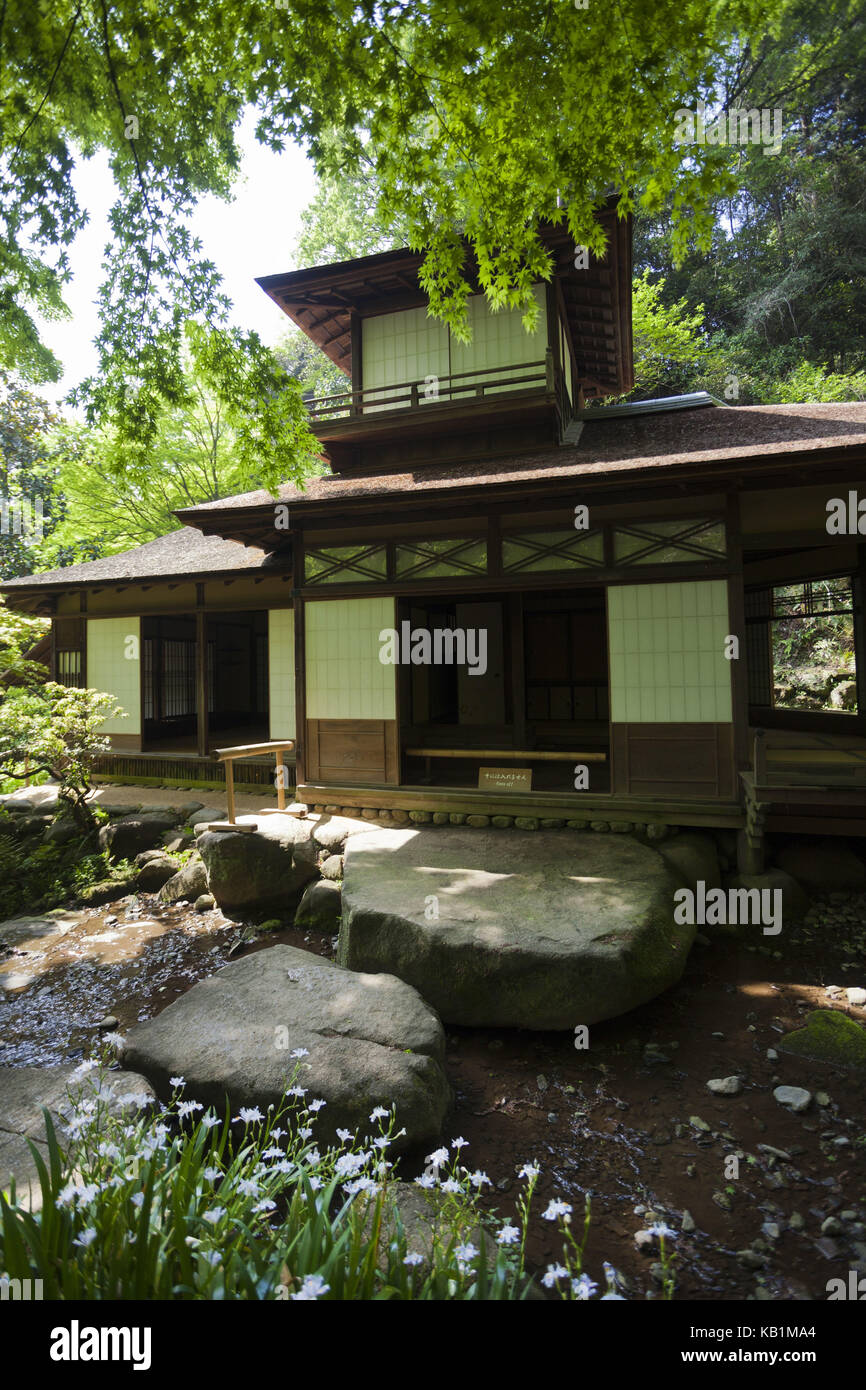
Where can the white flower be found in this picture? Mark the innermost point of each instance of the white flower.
(554, 1272)
(313, 1157)
(306, 1132)
(277, 1134)
(210, 1174)
(208, 1121)
(188, 1107)
(348, 1165)
(426, 1180)
(249, 1114)
(86, 1238)
(382, 1143)
(478, 1179)
(459, 1143)
(273, 1152)
(214, 1215)
(297, 1091)
(555, 1209)
(266, 1204)
(84, 1067)
(451, 1185)
(413, 1258)
(359, 1185)
(465, 1254)
(315, 1105)
(114, 1039)
(509, 1235)
(380, 1113)
(249, 1187)
(299, 1052)
(176, 1081)
(438, 1158)
(583, 1288)
(315, 1182)
(345, 1135)
(137, 1199)
(612, 1297)
(313, 1287)
(529, 1170)
(661, 1230)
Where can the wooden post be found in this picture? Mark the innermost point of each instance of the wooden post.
(760, 757)
(201, 691)
(281, 791)
(230, 790)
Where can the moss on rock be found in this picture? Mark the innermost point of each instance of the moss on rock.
(828, 1036)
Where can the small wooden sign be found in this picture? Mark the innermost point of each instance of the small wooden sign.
(505, 779)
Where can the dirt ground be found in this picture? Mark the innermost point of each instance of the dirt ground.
(611, 1121)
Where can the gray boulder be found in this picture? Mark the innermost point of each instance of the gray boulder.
(332, 832)
(320, 907)
(332, 867)
(694, 856)
(371, 1040)
(126, 838)
(156, 872)
(205, 816)
(61, 832)
(823, 865)
(189, 883)
(539, 937)
(795, 903)
(265, 870)
(23, 1093)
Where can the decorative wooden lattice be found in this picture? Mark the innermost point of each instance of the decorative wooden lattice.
(435, 559)
(343, 564)
(669, 542)
(552, 550)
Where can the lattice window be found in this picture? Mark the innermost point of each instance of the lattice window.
(552, 550)
(436, 559)
(345, 564)
(69, 668)
(669, 542)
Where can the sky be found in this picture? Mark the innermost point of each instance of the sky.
(254, 235)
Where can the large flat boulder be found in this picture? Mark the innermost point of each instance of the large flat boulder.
(496, 929)
(371, 1040)
(23, 1093)
(263, 871)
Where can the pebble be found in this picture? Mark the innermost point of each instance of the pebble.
(831, 1227)
(822, 1098)
(688, 1222)
(772, 1055)
(644, 1240)
(856, 996)
(796, 1221)
(721, 1036)
(725, 1086)
(542, 1082)
(772, 1230)
(107, 1023)
(697, 1123)
(752, 1259)
(723, 1200)
(794, 1098)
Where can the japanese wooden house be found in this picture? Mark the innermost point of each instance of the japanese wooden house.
(608, 553)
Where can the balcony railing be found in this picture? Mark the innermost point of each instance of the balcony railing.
(478, 384)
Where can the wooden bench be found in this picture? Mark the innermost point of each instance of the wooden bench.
(250, 750)
(504, 755)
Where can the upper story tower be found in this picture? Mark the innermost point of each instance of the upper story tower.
(415, 394)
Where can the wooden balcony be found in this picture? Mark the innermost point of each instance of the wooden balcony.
(424, 410)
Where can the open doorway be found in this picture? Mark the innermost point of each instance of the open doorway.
(235, 675)
(543, 688)
(237, 678)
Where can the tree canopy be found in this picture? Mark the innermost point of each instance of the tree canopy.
(478, 120)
